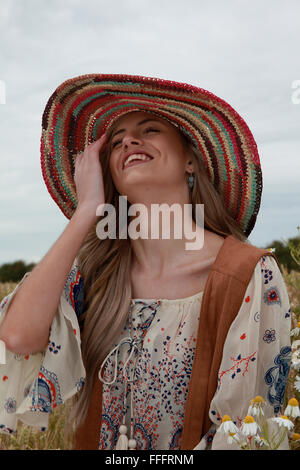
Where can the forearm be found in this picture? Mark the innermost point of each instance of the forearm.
(25, 328)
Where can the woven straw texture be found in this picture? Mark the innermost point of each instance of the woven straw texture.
(82, 108)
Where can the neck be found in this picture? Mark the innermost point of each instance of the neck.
(164, 240)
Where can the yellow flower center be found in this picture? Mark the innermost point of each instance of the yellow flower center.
(258, 399)
(233, 434)
(284, 417)
(295, 436)
(226, 418)
(293, 402)
(249, 419)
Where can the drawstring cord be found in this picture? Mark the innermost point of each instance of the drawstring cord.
(123, 442)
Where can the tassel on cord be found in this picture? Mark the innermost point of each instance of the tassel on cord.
(122, 443)
(132, 444)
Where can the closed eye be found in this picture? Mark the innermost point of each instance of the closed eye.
(151, 129)
(148, 129)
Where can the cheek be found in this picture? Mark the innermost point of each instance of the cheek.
(176, 156)
(112, 163)
(114, 170)
(173, 146)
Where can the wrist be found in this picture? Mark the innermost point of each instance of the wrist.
(85, 213)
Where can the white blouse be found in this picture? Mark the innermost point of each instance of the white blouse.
(147, 373)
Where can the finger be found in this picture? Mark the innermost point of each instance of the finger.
(99, 142)
(103, 137)
(79, 157)
(94, 147)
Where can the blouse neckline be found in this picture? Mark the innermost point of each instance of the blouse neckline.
(184, 299)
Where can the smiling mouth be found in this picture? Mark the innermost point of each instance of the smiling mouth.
(136, 161)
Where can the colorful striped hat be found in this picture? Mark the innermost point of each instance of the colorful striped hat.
(81, 109)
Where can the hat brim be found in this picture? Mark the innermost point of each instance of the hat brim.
(81, 109)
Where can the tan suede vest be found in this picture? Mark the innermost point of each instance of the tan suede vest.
(223, 295)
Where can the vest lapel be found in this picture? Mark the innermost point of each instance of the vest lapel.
(223, 295)
(87, 436)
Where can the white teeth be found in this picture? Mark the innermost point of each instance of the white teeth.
(136, 156)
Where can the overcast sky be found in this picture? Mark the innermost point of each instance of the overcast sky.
(246, 52)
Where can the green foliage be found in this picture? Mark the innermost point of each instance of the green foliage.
(13, 272)
(286, 252)
(294, 247)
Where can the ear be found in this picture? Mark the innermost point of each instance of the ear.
(189, 164)
(189, 154)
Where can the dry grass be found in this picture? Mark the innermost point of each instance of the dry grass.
(28, 438)
(292, 281)
(6, 288)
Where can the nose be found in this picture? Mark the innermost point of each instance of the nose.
(131, 139)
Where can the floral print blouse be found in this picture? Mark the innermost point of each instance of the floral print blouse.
(146, 374)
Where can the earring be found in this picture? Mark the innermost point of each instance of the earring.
(191, 180)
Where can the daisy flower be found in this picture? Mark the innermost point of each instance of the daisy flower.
(297, 383)
(292, 409)
(227, 426)
(249, 426)
(295, 345)
(296, 331)
(283, 421)
(296, 360)
(255, 407)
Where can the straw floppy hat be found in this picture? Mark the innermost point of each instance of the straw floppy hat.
(81, 109)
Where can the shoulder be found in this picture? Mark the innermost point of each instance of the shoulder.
(238, 259)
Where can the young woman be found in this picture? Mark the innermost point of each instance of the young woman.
(159, 341)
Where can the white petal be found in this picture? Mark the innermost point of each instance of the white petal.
(295, 412)
(249, 429)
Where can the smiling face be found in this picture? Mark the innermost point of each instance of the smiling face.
(161, 158)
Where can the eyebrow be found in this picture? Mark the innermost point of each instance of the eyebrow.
(139, 124)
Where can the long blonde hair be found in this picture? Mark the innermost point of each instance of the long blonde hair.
(105, 266)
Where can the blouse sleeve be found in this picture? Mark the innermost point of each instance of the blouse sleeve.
(257, 352)
(32, 385)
